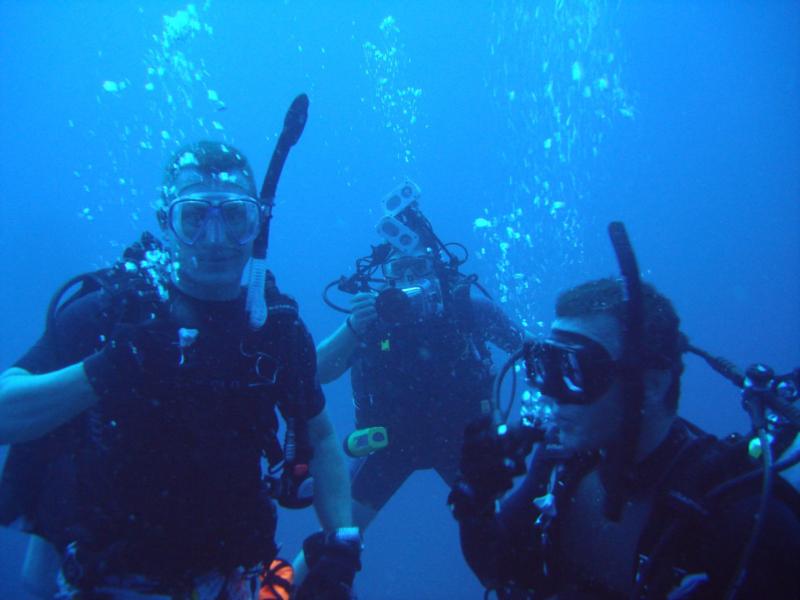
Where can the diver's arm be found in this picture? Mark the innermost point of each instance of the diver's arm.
(33, 405)
(334, 353)
(500, 548)
(40, 569)
(483, 545)
(498, 327)
(326, 560)
(331, 482)
(498, 539)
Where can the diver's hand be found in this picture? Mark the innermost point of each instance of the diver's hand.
(492, 456)
(333, 559)
(489, 463)
(363, 312)
(134, 354)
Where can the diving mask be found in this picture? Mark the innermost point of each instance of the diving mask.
(570, 368)
(408, 267)
(239, 216)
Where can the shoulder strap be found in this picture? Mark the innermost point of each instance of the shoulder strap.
(88, 282)
(283, 323)
(283, 319)
(277, 301)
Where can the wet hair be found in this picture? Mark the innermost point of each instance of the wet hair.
(663, 342)
(209, 159)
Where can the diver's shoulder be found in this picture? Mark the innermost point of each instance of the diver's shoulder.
(277, 299)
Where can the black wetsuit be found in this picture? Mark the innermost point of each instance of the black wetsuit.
(166, 480)
(424, 382)
(670, 532)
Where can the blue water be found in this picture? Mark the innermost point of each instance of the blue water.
(545, 119)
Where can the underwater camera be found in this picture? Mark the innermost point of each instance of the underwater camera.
(404, 305)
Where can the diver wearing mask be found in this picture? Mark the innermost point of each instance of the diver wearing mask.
(623, 498)
(416, 343)
(140, 469)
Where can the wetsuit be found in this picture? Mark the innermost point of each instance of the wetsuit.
(670, 534)
(165, 480)
(424, 382)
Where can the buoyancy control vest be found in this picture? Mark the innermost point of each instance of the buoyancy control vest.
(705, 478)
(67, 485)
(672, 544)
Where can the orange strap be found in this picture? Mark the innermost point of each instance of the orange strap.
(276, 581)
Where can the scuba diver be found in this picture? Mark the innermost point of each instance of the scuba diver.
(139, 420)
(416, 343)
(623, 498)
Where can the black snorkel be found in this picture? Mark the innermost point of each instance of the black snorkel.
(291, 489)
(293, 125)
(621, 458)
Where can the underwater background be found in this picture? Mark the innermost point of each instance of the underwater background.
(528, 125)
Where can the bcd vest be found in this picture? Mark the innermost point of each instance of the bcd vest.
(80, 481)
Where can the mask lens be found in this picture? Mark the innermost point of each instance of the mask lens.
(574, 373)
(241, 219)
(188, 219)
(571, 373)
(539, 371)
(415, 267)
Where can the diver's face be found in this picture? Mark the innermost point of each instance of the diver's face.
(598, 424)
(210, 231)
(410, 270)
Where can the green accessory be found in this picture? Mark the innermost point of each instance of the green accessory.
(366, 441)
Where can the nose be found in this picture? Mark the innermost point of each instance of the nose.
(215, 228)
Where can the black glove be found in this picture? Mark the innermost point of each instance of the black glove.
(491, 457)
(333, 559)
(135, 355)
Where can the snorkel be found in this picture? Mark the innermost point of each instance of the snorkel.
(293, 125)
(621, 457)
